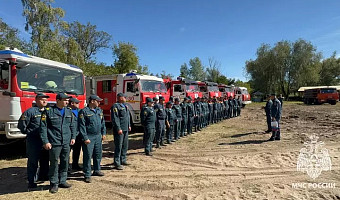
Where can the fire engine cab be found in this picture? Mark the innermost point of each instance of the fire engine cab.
(21, 77)
(226, 90)
(242, 92)
(136, 87)
(209, 89)
(181, 88)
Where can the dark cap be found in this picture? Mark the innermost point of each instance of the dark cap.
(148, 100)
(74, 100)
(189, 98)
(169, 103)
(41, 95)
(63, 96)
(155, 99)
(176, 99)
(273, 94)
(171, 98)
(121, 95)
(95, 97)
(161, 98)
(186, 98)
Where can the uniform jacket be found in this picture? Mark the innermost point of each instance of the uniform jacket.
(91, 122)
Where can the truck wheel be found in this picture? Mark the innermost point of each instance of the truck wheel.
(333, 102)
(243, 105)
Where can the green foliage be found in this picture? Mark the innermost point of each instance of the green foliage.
(330, 71)
(196, 69)
(9, 37)
(184, 71)
(164, 75)
(125, 55)
(285, 67)
(88, 38)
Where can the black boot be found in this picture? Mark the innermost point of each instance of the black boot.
(272, 138)
(277, 136)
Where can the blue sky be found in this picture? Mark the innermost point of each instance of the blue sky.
(168, 33)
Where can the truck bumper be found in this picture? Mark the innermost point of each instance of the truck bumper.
(12, 131)
(246, 102)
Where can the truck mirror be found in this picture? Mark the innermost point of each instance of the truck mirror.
(4, 66)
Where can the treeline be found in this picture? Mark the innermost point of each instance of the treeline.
(75, 43)
(287, 66)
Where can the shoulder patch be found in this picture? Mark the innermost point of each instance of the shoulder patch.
(47, 108)
(43, 117)
(115, 110)
(23, 117)
(81, 116)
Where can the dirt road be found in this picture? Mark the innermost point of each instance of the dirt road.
(229, 160)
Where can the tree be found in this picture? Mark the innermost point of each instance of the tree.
(9, 37)
(285, 67)
(126, 59)
(197, 69)
(164, 75)
(330, 71)
(89, 39)
(184, 71)
(42, 21)
(143, 70)
(213, 70)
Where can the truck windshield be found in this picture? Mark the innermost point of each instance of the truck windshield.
(328, 90)
(213, 89)
(244, 91)
(153, 86)
(44, 78)
(192, 88)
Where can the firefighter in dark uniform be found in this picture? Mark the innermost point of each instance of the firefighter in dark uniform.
(211, 111)
(76, 148)
(239, 106)
(231, 107)
(191, 115)
(184, 124)
(198, 113)
(148, 119)
(268, 108)
(120, 117)
(58, 132)
(178, 112)
(235, 107)
(160, 122)
(29, 124)
(215, 107)
(93, 131)
(226, 111)
(169, 121)
(275, 113)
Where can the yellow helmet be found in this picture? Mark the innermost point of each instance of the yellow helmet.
(51, 84)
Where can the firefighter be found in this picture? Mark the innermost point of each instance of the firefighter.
(211, 111)
(235, 107)
(148, 119)
(29, 124)
(169, 121)
(191, 115)
(198, 112)
(268, 108)
(225, 101)
(58, 132)
(76, 148)
(231, 107)
(160, 122)
(239, 106)
(215, 107)
(275, 113)
(93, 131)
(120, 117)
(184, 124)
(178, 113)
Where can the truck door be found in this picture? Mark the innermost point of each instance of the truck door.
(132, 94)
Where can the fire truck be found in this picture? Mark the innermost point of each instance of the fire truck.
(21, 77)
(181, 88)
(136, 87)
(209, 89)
(242, 92)
(226, 90)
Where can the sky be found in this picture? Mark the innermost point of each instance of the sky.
(169, 33)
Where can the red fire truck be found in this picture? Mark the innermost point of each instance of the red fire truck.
(181, 88)
(137, 88)
(209, 89)
(226, 90)
(242, 92)
(22, 76)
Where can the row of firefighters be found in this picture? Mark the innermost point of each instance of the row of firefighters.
(178, 119)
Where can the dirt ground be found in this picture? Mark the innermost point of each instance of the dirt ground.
(229, 160)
